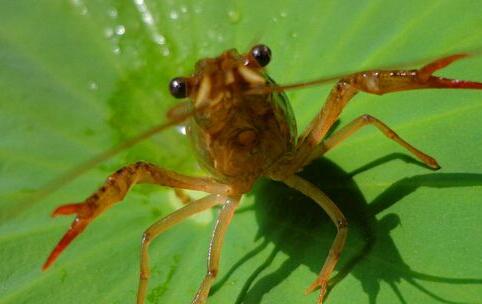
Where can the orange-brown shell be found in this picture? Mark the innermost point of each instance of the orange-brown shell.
(238, 136)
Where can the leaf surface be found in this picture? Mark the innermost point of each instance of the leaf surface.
(77, 77)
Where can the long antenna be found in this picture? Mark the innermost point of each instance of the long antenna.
(324, 80)
(75, 172)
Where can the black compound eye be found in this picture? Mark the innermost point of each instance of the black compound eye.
(178, 87)
(262, 54)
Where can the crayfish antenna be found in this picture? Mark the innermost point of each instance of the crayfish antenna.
(78, 225)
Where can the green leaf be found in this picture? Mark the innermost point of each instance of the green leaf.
(77, 77)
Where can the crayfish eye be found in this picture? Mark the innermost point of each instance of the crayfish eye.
(262, 54)
(178, 87)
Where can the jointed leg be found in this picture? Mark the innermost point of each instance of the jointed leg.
(222, 223)
(365, 120)
(183, 196)
(164, 224)
(337, 218)
(114, 190)
(375, 82)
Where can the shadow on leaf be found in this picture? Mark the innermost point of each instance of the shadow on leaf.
(297, 227)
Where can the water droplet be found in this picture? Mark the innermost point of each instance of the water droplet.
(181, 129)
(159, 39)
(112, 13)
(149, 22)
(145, 13)
(165, 51)
(234, 16)
(275, 19)
(184, 9)
(294, 35)
(116, 50)
(283, 14)
(120, 30)
(148, 18)
(93, 86)
(174, 15)
(108, 32)
(80, 5)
